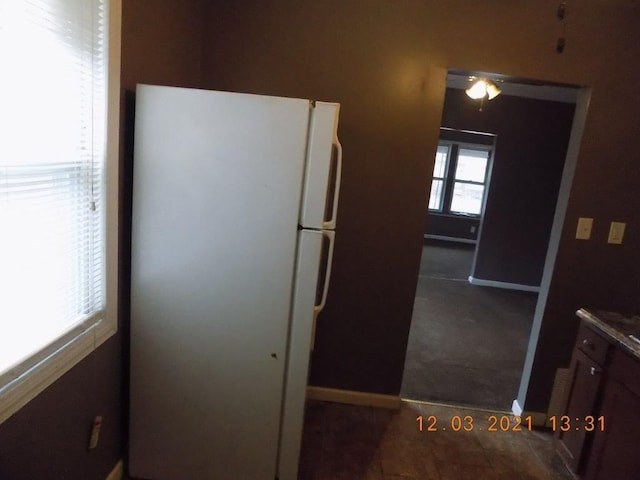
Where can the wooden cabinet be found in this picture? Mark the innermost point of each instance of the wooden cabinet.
(604, 383)
(585, 381)
(615, 452)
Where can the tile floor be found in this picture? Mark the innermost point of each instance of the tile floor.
(345, 442)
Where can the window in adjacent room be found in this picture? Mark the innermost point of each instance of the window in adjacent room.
(58, 201)
(439, 174)
(459, 178)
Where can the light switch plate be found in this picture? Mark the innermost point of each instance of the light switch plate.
(583, 232)
(616, 232)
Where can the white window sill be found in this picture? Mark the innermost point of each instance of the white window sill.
(23, 389)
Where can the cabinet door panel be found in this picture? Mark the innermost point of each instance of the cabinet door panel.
(625, 369)
(586, 377)
(615, 450)
(592, 344)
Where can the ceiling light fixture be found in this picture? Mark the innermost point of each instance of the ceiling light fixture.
(483, 88)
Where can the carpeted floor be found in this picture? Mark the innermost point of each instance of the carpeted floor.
(467, 343)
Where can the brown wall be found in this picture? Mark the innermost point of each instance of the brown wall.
(530, 150)
(162, 42)
(386, 63)
(370, 61)
(48, 438)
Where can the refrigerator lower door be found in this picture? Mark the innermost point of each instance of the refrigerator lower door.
(302, 318)
(217, 184)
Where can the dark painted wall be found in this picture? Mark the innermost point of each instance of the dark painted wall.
(367, 57)
(48, 438)
(386, 62)
(162, 42)
(455, 226)
(532, 138)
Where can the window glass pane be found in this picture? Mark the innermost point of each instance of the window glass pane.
(472, 165)
(467, 198)
(435, 198)
(440, 166)
(51, 172)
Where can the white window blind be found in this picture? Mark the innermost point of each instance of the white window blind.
(439, 175)
(53, 56)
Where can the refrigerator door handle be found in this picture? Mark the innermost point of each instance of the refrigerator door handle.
(331, 223)
(330, 236)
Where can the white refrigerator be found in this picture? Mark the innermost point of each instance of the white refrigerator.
(234, 210)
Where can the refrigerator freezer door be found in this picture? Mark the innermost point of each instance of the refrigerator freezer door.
(323, 169)
(217, 184)
(302, 317)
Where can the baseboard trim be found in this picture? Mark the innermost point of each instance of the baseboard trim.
(118, 471)
(505, 285)
(538, 419)
(516, 409)
(451, 239)
(352, 397)
(450, 405)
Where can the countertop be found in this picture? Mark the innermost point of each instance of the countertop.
(617, 326)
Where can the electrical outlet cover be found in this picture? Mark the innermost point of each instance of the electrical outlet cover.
(583, 232)
(95, 432)
(616, 233)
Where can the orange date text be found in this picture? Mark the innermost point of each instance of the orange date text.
(467, 423)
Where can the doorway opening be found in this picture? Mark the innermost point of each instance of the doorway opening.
(496, 186)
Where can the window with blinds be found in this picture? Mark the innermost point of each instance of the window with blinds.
(460, 174)
(53, 91)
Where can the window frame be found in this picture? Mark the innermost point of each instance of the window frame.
(443, 179)
(84, 338)
(450, 180)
